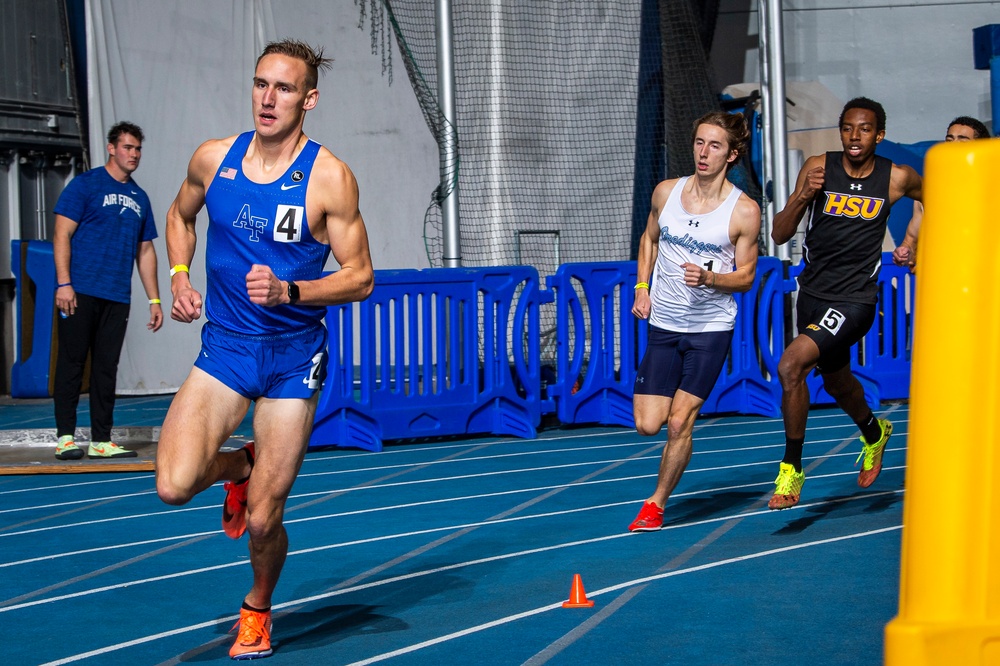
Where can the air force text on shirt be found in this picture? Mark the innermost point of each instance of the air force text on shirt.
(685, 241)
(123, 200)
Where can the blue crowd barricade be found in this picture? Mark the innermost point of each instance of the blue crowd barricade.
(748, 382)
(431, 353)
(888, 345)
(881, 360)
(34, 269)
(598, 342)
(457, 351)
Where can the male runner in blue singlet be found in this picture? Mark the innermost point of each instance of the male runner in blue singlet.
(848, 195)
(278, 203)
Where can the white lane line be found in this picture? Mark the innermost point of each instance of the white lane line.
(648, 441)
(614, 588)
(510, 618)
(132, 476)
(433, 480)
(433, 530)
(397, 484)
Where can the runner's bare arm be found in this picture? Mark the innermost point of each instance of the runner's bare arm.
(810, 180)
(180, 226)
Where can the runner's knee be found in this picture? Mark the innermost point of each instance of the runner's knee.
(646, 426)
(264, 522)
(170, 490)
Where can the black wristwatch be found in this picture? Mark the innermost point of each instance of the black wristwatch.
(293, 293)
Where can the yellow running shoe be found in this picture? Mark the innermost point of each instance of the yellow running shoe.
(253, 640)
(109, 450)
(67, 449)
(788, 487)
(872, 455)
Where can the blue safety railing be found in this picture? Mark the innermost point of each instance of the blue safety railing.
(431, 353)
(34, 269)
(748, 382)
(444, 352)
(600, 344)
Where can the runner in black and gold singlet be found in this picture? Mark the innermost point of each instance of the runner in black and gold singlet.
(847, 195)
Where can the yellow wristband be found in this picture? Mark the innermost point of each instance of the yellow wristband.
(642, 285)
(154, 301)
(179, 268)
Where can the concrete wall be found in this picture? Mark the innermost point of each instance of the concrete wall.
(913, 56)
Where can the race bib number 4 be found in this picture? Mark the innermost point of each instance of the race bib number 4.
(314, 379)
(288, 228)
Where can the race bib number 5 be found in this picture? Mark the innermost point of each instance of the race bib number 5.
(832, 321)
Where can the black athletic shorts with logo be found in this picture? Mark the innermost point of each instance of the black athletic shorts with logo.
(690, 362)
(834, 326)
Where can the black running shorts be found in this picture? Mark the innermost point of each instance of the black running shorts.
(834, 326)
(690, 362)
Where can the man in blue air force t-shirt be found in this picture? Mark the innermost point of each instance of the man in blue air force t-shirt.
(104, 223)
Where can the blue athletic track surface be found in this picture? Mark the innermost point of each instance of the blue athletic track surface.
(462, 552)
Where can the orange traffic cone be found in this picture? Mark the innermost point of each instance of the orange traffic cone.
(577, 597)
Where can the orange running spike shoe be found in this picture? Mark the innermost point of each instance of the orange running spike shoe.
(253, 640)
(650, 519)
(872, 455)
(234, 507)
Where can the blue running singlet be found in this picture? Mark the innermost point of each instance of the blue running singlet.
(254, 223)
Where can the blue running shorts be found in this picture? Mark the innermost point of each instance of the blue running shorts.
(286, 366)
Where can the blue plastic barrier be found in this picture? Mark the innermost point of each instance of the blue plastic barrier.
(888, 345)
(748, 383)
(598, 342)
(454, 351)
(445, 351)
(34, 268)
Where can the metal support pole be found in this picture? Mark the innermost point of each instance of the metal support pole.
(449, 146)
(767, 177)
(772, 88)
(779, 125)
(13, 210)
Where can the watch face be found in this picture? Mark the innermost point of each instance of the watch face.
(293, 292)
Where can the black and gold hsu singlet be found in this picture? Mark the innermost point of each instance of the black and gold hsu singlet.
(843, 242)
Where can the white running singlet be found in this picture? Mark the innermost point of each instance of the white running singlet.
(695, 239)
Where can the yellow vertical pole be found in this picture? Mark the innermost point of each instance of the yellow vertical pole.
(949, 602)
